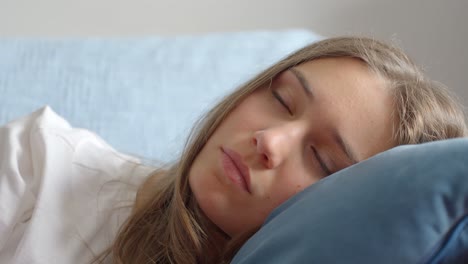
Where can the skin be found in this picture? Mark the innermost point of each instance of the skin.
(280, 147)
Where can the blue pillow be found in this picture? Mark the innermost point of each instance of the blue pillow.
(406, 205)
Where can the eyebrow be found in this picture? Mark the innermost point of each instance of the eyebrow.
(305, 85)
(350, 154)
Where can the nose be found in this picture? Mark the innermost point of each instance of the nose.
(274, 145)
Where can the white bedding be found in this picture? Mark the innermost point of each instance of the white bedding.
(54, 202)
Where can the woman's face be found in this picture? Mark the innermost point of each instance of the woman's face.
(315, 119)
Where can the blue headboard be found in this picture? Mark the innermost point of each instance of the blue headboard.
(142, 94)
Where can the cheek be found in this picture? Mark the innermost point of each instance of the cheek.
(254, 109)
(289, 187)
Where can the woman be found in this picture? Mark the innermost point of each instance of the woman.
(323, 108)
(326, 107)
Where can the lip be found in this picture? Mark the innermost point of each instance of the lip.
(239, 168)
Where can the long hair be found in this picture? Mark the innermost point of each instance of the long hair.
(171, 228)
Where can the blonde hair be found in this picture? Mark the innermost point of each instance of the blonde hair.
(171, 228)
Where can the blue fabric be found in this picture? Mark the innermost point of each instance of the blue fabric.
(453, 249)
(142, 95)
(406, 205)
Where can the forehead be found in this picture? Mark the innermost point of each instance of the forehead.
(353, 100)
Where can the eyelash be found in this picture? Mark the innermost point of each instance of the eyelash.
(316, 156)
(322, 164)
(281, 101)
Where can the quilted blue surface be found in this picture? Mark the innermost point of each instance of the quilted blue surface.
(406, 205)
(142, 95)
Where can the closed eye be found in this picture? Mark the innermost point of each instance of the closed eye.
(323, 166)
(281, 101)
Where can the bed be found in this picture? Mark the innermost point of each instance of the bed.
(142, 95)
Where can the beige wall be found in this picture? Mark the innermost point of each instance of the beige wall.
(434, 32)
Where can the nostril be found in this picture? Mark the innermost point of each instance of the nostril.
(254, 140)
(267, 160)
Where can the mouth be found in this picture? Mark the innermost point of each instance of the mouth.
(236, 169)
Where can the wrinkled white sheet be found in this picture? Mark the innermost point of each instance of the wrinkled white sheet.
(59, 190)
